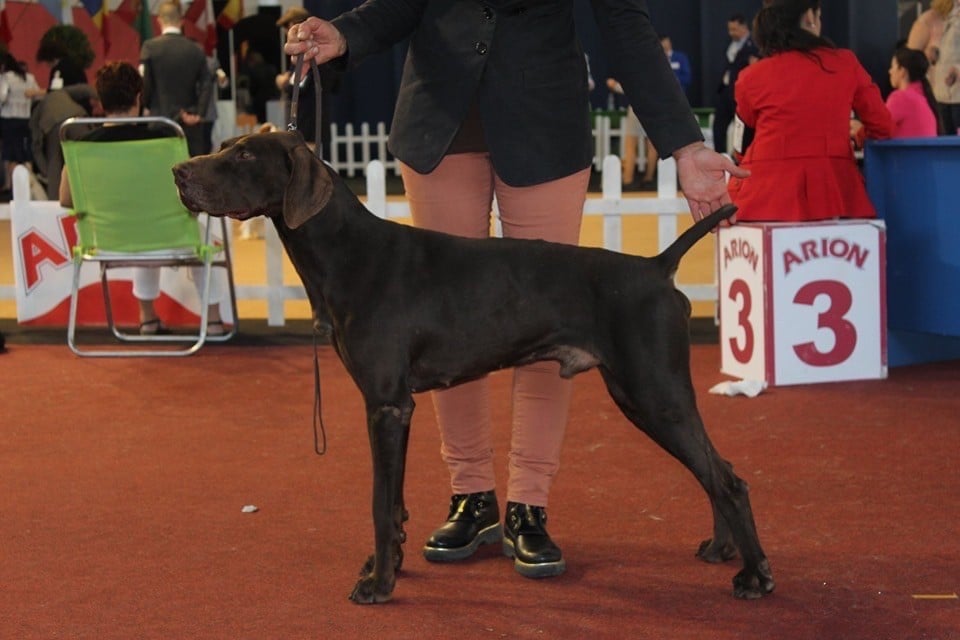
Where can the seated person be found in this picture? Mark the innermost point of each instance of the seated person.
(76, 100)
(120, 88)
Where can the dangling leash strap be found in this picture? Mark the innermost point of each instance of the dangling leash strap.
(295, 101)
(319, 432)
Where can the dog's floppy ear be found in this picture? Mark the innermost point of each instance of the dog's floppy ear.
(309, 188)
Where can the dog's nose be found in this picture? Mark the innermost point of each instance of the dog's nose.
(181, 172)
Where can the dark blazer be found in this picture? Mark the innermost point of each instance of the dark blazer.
(740, 62)
(175, 76)
(521, 61)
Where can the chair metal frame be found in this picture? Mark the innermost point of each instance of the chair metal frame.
(201, 254)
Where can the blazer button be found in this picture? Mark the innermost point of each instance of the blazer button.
(480, 47)
(488, 13)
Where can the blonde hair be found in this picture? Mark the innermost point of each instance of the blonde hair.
(942, 7)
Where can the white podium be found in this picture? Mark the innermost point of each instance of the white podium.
(803, 303)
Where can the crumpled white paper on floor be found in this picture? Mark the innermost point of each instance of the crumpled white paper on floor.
(749, 388)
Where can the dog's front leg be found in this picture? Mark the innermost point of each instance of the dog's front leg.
(388, 428)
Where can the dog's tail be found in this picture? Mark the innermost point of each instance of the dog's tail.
(670, 258)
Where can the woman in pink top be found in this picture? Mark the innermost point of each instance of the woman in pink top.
(912, 104)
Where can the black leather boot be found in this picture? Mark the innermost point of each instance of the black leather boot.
(525, 539)
(474, 520)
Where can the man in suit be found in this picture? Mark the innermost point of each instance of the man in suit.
(740, 52)
(176, 78)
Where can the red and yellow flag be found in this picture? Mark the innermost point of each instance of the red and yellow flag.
(231, 14)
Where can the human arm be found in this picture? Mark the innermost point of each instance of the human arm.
(33, 90)
(614, 86)
(634, 49)
(897, 105)
(919, 37)
(637, 61)
(66, 199)
(869, 107)
(370, 28)
(204, 87)
(146, 72)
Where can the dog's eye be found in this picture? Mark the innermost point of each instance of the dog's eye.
(243, 154)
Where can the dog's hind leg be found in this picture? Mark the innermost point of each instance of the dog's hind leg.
(664, 407)
(389, 429)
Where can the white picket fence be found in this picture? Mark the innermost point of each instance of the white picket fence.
(372, 146)
(351, 150)
(667, 206)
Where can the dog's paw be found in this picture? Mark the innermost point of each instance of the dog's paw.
(368, 590)
(715, 552)
(753, 584)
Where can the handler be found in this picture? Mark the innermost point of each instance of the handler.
(494, 102)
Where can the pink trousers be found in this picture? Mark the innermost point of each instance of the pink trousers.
(456, 198)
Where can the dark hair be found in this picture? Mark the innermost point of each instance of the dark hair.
(118, 85)
(9, 63)
(66, 42)
(738, 18)
(915, 63)
(777, 29)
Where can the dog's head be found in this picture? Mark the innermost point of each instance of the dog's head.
(270, 174)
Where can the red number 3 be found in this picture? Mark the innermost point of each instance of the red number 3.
(739, 289)
(845, 334)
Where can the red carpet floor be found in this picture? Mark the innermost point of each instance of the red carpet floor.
(122, 484)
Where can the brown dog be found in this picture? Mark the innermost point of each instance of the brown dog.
(413, 310)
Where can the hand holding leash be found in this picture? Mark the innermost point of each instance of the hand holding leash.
(317, 40)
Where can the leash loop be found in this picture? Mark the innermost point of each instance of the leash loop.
(295, 101)
(319, 432)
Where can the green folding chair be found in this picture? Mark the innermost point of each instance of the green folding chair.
(129, 214)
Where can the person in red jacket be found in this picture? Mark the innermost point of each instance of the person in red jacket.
(797, 103)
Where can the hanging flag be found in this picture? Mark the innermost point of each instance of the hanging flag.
(55, 7)
(98, 10)
(136, 13)
(196, 9)
(143, 24)
(200, 14)
(231, 14)
(5, 35)
(127, 10)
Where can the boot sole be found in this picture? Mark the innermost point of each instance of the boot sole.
(530, 570)
(490, 535)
